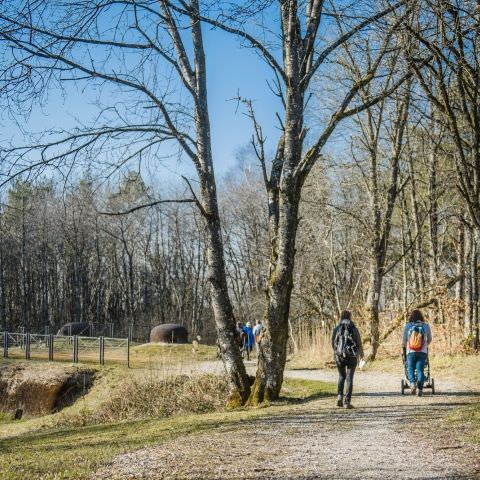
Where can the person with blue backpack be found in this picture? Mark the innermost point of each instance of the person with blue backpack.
(347, 348)
(417, 336)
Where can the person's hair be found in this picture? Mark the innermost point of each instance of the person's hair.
(416, 316)
(346, 315)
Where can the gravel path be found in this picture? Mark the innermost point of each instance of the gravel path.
(387, 436)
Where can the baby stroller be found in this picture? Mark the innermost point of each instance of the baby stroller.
(428, 382)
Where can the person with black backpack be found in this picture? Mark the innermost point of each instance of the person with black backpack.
(347, 347)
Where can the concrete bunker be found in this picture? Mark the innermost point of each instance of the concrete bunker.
(169, 333)
(75, 328)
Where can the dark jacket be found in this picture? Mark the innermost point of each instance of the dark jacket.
(355, 334)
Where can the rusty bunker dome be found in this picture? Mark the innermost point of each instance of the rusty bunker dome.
(169, 333)
(75, 328)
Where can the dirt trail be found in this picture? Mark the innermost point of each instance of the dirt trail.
(387, 436)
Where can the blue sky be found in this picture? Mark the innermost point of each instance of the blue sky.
(236, 70)
(232, 70)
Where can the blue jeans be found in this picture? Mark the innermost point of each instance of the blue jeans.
(416, 361)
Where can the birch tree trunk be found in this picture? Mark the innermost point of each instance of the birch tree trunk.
(284, 198)
(472, 290)
(3, 316)
(433, 215)
(292, 166)
(221, 303)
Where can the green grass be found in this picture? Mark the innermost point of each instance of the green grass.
(74, 452)
(467, 419)
(56, 447)
(5, 418)
(298, 389)
(158, 356)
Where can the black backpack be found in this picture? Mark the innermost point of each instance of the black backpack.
(344, 343)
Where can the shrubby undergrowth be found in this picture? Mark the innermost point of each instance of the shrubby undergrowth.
(139, 397)
(152, 396)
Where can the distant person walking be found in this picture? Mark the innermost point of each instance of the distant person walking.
(249, 338)
(347, 347)
(417, 336)
(257, 333)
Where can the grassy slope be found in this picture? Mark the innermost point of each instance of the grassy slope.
(153, 356)
(157, 356)
(58, 447)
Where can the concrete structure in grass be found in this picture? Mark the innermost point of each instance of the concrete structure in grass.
(169, 333)
(82, 329)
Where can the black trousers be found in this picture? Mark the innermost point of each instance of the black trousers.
(346, 370)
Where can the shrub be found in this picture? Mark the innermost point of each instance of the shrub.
(154, 396)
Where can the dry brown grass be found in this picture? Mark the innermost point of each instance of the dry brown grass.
(120, 394)
(151, 395)
(311, 347)
(158, 356)
(138, 395)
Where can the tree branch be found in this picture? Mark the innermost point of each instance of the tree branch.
(146, 205)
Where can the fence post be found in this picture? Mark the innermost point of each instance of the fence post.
(5, 344)
(128, 353)
(102, 350)
(130, 332)
(75, 349)
(50, 347)
(27, 346)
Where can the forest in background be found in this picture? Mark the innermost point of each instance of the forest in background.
(64, 259)
(367, 198)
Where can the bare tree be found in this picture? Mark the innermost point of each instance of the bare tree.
(153, 55)
(450, 80)
(383, 195)
(304, 55)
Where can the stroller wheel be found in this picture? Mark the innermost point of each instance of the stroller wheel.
(432, 383)
(402, 386)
